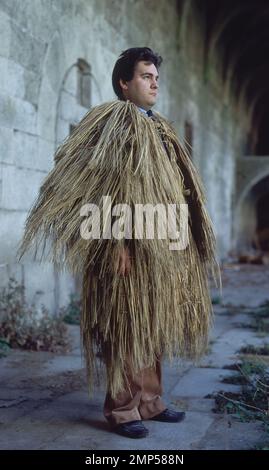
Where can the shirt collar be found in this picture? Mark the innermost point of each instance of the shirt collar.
(146, 112)
(142, 109)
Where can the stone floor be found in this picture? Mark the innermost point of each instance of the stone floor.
(44, 402)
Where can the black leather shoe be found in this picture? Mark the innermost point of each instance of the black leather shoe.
(134, 429)
(169, 416)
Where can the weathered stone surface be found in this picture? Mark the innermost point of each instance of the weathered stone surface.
(199, 382)
(18, 193)
(226, 433)
(17, 114)
(6, 151)
(25, 49)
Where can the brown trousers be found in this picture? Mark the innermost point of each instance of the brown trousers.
(141, 398)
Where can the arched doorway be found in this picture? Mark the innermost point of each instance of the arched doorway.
(251, 222)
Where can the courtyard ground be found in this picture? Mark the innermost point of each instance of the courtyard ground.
(44, 402)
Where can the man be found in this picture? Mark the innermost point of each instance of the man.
(135, 78)
(143, 297)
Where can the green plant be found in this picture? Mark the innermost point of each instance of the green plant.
(252, 402)
(258, 350)
(261, 311)
(21, 326)
(216, 300)
(4, 347)
(237, 379)
(71, 313)
(253, 367)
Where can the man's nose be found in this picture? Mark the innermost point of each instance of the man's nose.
(155, 83)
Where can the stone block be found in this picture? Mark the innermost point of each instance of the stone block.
(26, 49)
(5, 34)
(12, 81)
(16, 113)
(6, 148)
(11, 226)
(32, 152)
(199, 382)
(69, 109)
(20, 187)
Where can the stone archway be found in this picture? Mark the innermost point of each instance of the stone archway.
(251, 220)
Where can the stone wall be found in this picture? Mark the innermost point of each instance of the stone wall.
(41, 43)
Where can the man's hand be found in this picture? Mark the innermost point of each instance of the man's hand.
(123, 265)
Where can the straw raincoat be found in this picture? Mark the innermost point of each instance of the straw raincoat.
(163, 305)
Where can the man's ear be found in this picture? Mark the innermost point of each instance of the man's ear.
(123, 84)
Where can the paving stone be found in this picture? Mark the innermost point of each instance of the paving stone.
(225, 433)
(199, 382)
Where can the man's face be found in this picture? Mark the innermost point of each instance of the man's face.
(142, 90)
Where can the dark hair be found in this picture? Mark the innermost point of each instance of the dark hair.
(125, 65)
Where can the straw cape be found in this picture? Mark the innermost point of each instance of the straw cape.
(163, 305)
